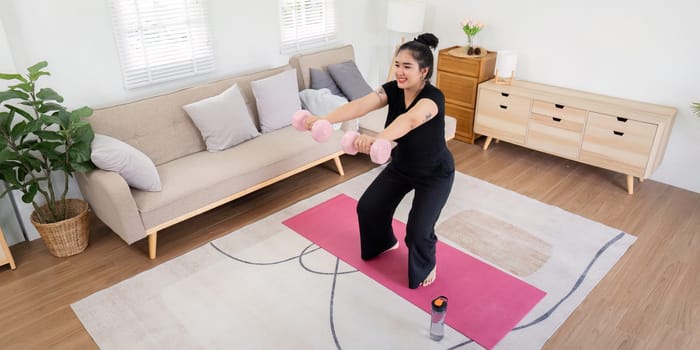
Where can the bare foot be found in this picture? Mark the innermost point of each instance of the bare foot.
(431, 277)
(393, 247)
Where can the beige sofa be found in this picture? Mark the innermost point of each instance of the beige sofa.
(193, 179)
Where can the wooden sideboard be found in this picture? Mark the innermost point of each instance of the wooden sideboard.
(621, 135)
(458, 78)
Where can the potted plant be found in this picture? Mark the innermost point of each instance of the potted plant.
(39, 138)
(696, 108)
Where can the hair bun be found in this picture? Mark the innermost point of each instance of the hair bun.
(428, 39)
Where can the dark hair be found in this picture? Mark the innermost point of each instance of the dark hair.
(420, 48)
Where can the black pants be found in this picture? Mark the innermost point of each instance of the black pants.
(376, 208)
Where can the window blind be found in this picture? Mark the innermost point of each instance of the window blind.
(161, 40)
(306, 24)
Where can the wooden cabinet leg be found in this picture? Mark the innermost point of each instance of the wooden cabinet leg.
(487, 142)
(630, 184)
(339, 166)
(152, 240)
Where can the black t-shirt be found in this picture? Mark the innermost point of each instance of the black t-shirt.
(423, 150)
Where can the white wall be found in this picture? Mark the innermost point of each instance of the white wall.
(637, 49)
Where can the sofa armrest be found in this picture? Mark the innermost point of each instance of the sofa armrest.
(110, 198)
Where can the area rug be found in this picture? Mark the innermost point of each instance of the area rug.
(266, 287)
(485, 303)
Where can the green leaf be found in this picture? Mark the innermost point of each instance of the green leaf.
(49, 94)
(49, 107)
(19, 130)
(49, 135)
(21, 112)
(5, 121)
(83, 167)
(79, 155)
(37, 67)
(64, 118)
(6, 76)
(12, 94)
(26, 87)
(51, 119)
(6, 155)
(696, 108)
(81, 113)
(30, 192)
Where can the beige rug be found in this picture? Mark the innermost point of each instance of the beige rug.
(266, 287)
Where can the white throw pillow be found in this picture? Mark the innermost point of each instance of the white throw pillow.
(133, 165)
(321, 102)
(223, 120)
(277, 99)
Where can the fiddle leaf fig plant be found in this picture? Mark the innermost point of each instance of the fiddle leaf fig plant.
(38, 137)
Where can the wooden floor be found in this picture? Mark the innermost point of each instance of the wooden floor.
(649, 300)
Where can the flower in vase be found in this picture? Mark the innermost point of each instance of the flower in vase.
(471, 28)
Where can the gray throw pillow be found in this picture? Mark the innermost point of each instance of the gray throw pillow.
(277, 99)
(321, 102)
(320, 79)
(133, 165)
(223, 120)
(349, 79)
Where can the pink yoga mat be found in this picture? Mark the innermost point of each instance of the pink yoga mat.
(484, 303)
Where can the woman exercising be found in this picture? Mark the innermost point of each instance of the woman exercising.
(421, 160)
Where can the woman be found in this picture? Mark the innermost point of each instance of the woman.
(421, 160)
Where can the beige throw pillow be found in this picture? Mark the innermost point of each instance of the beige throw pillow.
(133, 165)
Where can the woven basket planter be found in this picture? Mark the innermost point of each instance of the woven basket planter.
(67, 237)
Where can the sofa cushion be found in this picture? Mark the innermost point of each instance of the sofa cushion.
(320, 79)
(135, 167)
(223, 120)
(223, 174)
(349, 79)
(277, 100)
(321, 102)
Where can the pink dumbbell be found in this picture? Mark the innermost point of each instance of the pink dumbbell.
(379, 152)
(321, 130)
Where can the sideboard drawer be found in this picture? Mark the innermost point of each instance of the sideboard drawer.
(559, 111)
(617, 143)
(502, 115)
(458, 89)
(459, 66)
(557, 136)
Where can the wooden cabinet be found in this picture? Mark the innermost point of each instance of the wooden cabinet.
(5, 254)
(612, 133)
(458, 78)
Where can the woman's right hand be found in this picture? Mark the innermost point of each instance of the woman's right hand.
(363, 143)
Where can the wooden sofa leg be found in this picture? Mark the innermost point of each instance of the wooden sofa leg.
(152, 240)
(339, 166)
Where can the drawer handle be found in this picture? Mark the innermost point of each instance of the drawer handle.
(503, 106)
(556, 119)
(505, 94)
(620, 119)
(618, 133)
(559, 106)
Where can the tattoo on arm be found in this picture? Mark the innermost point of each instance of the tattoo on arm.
(380, 93)
(428, 117)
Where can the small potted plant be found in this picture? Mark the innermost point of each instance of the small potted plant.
(696, 108)
(39, 138)
(471, 28)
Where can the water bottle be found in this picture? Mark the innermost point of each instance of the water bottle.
(437, 318)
